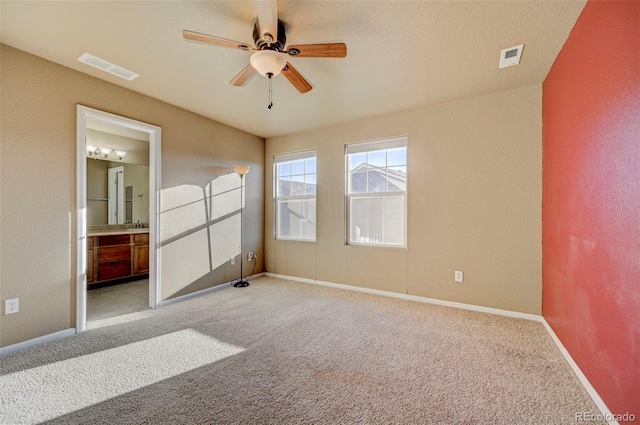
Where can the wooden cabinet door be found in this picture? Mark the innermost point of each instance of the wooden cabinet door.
(140, 259)
(91, 276)
(114, 270)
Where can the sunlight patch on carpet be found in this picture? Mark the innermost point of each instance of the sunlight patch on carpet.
(45, 392)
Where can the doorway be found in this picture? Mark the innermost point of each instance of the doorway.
(143, 246)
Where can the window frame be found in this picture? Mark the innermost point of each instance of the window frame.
(371, 146)
(284, 158)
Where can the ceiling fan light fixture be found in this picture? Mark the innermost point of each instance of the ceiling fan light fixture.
(268, 62)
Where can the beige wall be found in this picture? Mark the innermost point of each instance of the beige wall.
(37, 197)
(474, 204)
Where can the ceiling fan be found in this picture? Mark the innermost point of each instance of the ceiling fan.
(270, 55)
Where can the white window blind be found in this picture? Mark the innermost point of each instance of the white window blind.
(295, 181)
(376, 192)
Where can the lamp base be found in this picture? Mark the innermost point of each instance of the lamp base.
(241, 284)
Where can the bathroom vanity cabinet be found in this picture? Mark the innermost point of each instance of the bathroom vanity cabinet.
(113, 255)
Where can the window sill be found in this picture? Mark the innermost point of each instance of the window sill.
(295, 240)
(369, 245)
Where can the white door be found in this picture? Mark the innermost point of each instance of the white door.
(116, 195)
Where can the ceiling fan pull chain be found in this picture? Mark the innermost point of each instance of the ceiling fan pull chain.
(270, 91)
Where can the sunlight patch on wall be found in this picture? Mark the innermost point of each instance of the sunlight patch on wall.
(184, 261)
(225, 240)
(200, 230)
(182, 210)
(56, 389)
(223, 195)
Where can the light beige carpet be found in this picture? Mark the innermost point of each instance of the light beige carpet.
(281, 352)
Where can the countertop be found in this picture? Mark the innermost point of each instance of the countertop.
(116, 232)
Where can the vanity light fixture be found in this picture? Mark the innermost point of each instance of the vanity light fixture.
(104, 152)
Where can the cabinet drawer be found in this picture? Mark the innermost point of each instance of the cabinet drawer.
(141, 238)
(114, 270)
(113, 254)
(114, 240)
(90, 242)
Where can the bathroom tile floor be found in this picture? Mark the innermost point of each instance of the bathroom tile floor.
(116, 300)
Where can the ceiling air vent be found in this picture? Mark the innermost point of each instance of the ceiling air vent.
(510, 56)
(107, 66)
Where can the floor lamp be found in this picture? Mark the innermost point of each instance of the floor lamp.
(241, 170)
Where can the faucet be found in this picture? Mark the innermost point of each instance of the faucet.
(137, 225)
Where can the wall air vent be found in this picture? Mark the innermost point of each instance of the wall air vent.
(510, 56)
(107, 66)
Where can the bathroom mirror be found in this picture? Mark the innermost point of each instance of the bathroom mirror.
(117, 175)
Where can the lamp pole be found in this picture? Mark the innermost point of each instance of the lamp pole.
(241, 170)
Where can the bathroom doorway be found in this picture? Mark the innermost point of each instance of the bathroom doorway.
(118, 182)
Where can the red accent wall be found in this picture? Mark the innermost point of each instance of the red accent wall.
(591, 199)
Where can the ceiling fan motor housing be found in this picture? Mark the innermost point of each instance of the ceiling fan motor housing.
(264, 44)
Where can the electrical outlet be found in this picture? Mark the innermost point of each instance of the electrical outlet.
(251, 256)
(233, 261)
(458, 276)
(12, 306)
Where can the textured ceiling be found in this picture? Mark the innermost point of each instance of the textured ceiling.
(401, 54)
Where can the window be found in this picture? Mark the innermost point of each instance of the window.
(295, 195)
(377, 192)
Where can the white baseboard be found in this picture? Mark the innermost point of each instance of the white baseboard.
(10, 349)
(454, 304)
(581, 376)
(600, 404)
(202, 292)
(72, 331)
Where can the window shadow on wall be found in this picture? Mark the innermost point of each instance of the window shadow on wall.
(200, 234)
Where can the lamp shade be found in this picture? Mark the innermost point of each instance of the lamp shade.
(241, 169)
(120, 154)
(268, 62)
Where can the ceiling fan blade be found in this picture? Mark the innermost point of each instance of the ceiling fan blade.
(327, 50)
(244, 76)
(216, 41)
(296, 79)
(268, 18)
